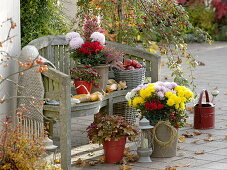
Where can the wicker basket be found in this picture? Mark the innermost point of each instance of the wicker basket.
(122, 109)
(133, 78)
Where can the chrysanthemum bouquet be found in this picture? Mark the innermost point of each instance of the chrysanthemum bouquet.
(90, 52)
(161, 101)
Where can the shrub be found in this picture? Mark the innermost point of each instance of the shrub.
(40, 18)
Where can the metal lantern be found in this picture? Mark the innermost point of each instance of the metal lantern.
(145, 150)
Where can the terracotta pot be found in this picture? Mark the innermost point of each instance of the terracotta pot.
(103, 70)
(82, 89)
(114, 150)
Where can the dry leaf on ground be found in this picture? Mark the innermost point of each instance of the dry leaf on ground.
(200, 63)
(170, 168)
(181, 139)
(188, 135)
(225, 124)
(225, 137)
(181, 165)
(58, 161)
(225, 93)
(182, 154)
(190, 109)
(199, 152)
(126, 167)
(102, 160)
(195, 141)
(197, 132)
(209, 139)
(179, 148)
(188, 124)
(91, 154)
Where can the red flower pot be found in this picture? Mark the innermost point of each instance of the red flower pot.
(114, 150)
(84, 88)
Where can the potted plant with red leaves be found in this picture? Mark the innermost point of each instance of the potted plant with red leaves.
(84, 79)
(111, 132)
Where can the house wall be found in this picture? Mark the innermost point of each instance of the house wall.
(9, 9)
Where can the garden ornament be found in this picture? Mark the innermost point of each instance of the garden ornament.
(145, 150)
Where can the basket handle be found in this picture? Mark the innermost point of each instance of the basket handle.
(201, 97)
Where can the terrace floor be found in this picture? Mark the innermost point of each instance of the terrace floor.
(209, 75)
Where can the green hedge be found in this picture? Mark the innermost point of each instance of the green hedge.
(40, 18)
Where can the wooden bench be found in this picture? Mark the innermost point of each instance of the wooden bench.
(57, 86)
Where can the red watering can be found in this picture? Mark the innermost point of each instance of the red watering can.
(204, 113)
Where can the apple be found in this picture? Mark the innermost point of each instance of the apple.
(130, 68)
(138, 65)
(134, 63)
(127, 62)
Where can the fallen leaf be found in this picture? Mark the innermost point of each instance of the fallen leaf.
(188, 135)
(199, 152)
(181, 139)
(132, 157)
(91, 154)
(190, 109)
(209, 134)
(188, 124)
(209, 139)
(170, 168)
(195, 141)
(181, 154)
(102, 160)
(179, 148)
(125, 167)
(225, 93)
(197, 132)
(127, 151)
(58, 161)
(225, 137)
(181, 165)
(225, 124)
(200, 63)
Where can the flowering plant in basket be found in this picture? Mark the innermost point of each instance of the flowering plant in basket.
(89, 75)
(161, 101)
(105, 128)
(92, 48)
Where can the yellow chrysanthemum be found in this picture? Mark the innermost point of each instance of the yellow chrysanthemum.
(147, 92)
(136, 101)
(130, 103)
(168, 94)
(182, 106)
(170, 102)
(183, 99)
(188, 94)
(177, 106)
(177, 100)
(180, 93)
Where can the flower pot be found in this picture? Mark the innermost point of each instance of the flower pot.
(165, 139)
(103, 71)
(84, 88)
(114, 150)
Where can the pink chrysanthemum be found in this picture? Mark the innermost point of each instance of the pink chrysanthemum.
(76, 43)
(69, 36)
(97, 36)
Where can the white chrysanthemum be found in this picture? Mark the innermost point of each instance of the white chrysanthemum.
(76, 43)
(69, 36)
(97, 36)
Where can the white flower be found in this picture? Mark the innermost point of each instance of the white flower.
(97, 36)
(69, 36)
(76, 43)
(130, 95)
